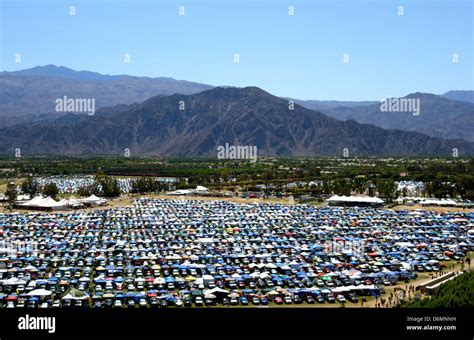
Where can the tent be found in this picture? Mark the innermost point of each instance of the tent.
(216, 290)
(355, 200)
(34, 201)
(40, 292)
(93, 199)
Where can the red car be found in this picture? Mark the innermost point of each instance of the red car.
(278, 300)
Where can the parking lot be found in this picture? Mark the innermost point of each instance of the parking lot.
(191, 253)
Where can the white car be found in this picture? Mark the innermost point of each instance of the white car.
(341, 298)
(118, 303)
(199, 301)
(142, 303)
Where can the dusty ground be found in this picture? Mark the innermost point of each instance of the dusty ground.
(127, 199)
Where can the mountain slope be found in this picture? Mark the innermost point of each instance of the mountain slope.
(239, 116)
(62, 72)
(439, 117)
(34, 91)
(462, 96)
(320, 105)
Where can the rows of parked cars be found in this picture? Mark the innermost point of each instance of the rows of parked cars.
(160, 253)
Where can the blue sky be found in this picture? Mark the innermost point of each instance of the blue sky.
(297, 56)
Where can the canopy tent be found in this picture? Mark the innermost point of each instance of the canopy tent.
(40, 292)
(93, 199)
(355, 200)
(46, 203)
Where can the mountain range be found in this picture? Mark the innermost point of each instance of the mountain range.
(211, 118)
(439, 116)
(33, 91)
(135, 109)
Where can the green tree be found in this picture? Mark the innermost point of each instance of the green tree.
(51, 189)
(109, 185)
(29, 186)
(11, 194)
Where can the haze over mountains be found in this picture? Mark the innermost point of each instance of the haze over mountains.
(439, 117)
(239, 116)
(34, 91)
(213, 117)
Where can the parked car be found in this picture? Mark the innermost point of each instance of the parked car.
(154, 302)
(330, 298)
(187, 302)
(352, 297)
(198, 301)
(244, 301)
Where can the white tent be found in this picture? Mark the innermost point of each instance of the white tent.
(335, 199)
(40, 292)
(180, 192)
(71, 297)
(33, 202)
(93, 199)
(441, 202)
(48, 202)
(341, 289)
(40, 202)
(13, 282)
(216, 290)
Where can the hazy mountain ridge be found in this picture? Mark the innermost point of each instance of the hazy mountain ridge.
(439, 117)
(34, 91)
(463, 96)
